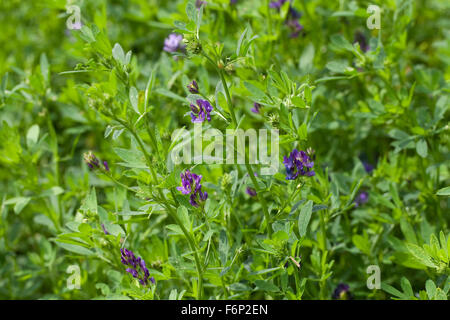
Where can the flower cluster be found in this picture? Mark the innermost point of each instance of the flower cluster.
(256, 108)
(361, 198)
(342, 292)
(193, 87)
(368, 167)
(291, 19)
(191, 185)
(173, 43)
(93, 162)
(137, 267)
(201, 110)
(199, 3)
(361, 39)
(250, 191)
(299, 163)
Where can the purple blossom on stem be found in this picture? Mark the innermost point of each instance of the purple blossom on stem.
(193, 87)
(256, 108)
(232, 2)
(361, 198)
(105, 164)
(91, 160)
(368, 167)
(362, 40)
(136, 267)
(191, 185)
(342, 292)
(200, 111)
(291, 19)
(251, 192)
(298, 163)
(277, 4)
(295, 26)
(173, 43)
(199, 3)
(104, 229)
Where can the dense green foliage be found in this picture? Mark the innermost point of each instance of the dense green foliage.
(110, 88)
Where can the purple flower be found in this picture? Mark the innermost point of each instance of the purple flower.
(298, 163)
(173, 42)
(91, 160)
(293, 13)
(136, 266)
(251, 192)
(105, 164)
(193, 87)
(199, 3)
(368, 167)
(232, 2)
(190, 184)
(361, 39)
(342, 292)
(277, 4)
(291, 19)
(256, 108)
(361, 198)
(104, 229)
(200, 111)
(295, 26)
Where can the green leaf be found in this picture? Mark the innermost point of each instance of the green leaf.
(134, 99)
(241, 38)
(118, 53)
(87, 35)
(341, 43)
(175, 228)
(421, 255)
(191, 11)
(32, 135)
(339, 67)
(422, 148)
(408, 231)
(170, 94)
(44, 67)
(132, 158)
(266, 286)
(362, 244)
(444, 192)
(391, 290)
(304, 217)
(74, 248)
(255, 92)
(183, 215)
(21, 204)
(406, 287)
(430, 286)
(223, 247)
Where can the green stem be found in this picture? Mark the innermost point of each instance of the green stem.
(247, 165)
(170, 210)
(323, 283)
(227, 92)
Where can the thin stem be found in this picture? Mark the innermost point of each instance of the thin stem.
(170, 210)
(324, 251)
(247, 165)
(118, 182)
(227, 92)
